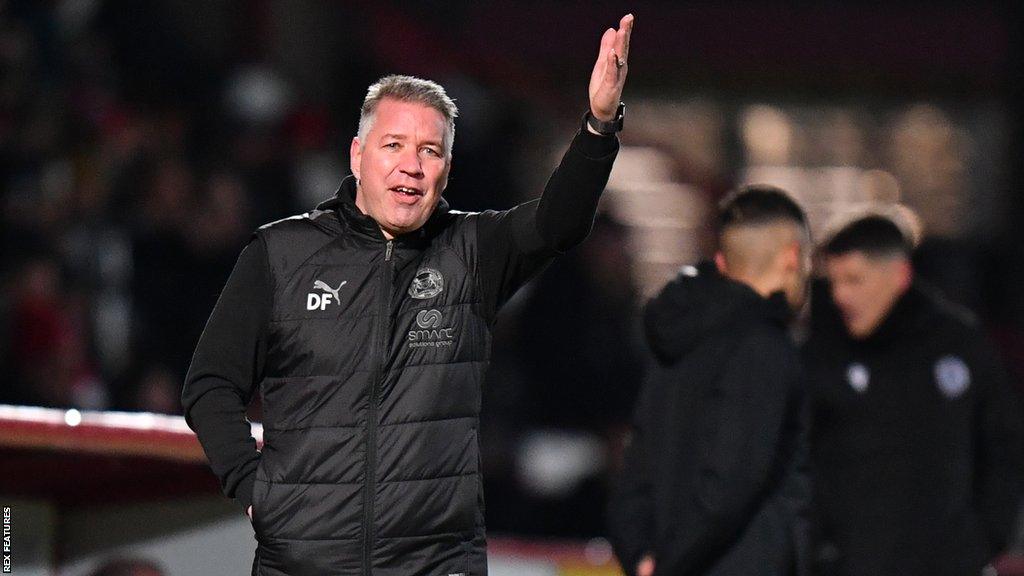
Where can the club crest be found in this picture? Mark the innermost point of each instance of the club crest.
(952, 376)
(426, 284)
(858, 377)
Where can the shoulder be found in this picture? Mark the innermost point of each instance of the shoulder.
(295, 238)
(310, 222)
(947, 317)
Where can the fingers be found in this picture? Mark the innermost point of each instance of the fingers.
(600, 68)
(611, 68)
(607, 43)
(645, 567)
(622, 37)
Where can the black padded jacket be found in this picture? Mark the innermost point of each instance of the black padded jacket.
(369, 356)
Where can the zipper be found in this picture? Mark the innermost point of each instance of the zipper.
(369, 486)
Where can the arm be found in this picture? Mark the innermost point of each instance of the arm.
(744, 440)
(227, 364)
(514, 244)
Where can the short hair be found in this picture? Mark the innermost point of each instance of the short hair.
(757, 205)
(874, 235)
(408, 89)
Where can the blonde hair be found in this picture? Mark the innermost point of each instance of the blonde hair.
(409, 89)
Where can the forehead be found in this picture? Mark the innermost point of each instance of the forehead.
(408, 119)
(856, 262)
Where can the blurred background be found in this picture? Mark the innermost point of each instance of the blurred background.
(142, 142)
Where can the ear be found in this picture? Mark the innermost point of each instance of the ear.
(355, 155)
(791, 257)
(720, 263)
(444, 176)
(906, 275)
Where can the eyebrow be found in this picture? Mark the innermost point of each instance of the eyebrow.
(404, 137)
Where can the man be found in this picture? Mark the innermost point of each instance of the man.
(713, 481)
(916, 436)
(366, 324)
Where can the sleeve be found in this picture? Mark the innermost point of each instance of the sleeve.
(631, 506)
(1000, 448)
(515, 244)
(225, 370)
(744, 438)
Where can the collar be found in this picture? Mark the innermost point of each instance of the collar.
(343, 204)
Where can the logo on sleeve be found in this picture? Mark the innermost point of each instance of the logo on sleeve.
(426, 284)
(858, 376)
(952, 376)
(320, 300)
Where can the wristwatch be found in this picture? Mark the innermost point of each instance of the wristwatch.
(610, 127)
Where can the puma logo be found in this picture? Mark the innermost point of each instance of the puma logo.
(316, 301)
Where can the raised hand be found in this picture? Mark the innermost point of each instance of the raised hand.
(609, 75)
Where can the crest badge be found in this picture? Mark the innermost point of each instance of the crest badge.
(426, 284)
(952, 376)
(858, 376)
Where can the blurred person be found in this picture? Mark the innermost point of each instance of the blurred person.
(916, 437)
(587, 303)
(365, 324)
(49, 360)
(157, 391)
(714, 480)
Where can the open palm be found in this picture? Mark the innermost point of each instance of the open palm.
(609, 75)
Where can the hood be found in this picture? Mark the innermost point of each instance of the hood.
(700, 303)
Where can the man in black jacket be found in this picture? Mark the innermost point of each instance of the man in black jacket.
(365, 326)
(916, 436)
(713, 482)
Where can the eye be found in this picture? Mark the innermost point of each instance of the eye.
(432, 152)
(392, 145)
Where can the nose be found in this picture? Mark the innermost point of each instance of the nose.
(840, 296)
(409, 163)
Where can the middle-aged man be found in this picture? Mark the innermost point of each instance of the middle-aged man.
(366, 325)
(714, 480)
(916, 435)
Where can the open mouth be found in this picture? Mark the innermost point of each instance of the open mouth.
(407, 192)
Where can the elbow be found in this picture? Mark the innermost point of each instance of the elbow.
(562, 241)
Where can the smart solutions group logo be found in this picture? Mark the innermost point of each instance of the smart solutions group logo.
(428, 332)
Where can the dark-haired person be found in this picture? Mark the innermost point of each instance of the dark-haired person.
(714, 480)
(365, 326)
(916, 438)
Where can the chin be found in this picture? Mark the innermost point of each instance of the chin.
(857, 333)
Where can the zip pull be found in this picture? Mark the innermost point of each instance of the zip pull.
(388, 249)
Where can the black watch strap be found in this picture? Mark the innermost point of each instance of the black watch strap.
(610, 127)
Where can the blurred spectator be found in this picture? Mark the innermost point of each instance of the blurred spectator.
(560, 397)
(917, 435)
(49, 361)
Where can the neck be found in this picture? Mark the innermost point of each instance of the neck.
(359, 204)
(764, 285)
